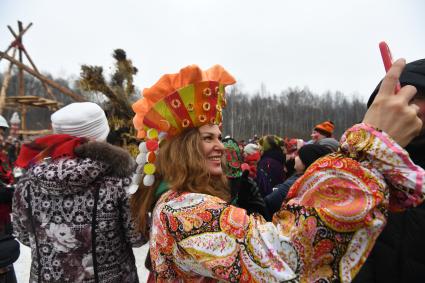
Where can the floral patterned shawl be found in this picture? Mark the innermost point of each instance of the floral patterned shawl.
(324, 233)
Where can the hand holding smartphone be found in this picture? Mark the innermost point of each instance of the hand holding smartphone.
(387, 58)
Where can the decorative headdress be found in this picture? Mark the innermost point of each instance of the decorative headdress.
(177, 102)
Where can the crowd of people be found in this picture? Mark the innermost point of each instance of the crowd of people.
(216, 209)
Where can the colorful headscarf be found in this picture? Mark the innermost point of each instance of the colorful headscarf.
(233, 159)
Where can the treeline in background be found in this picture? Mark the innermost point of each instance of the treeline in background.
(292, 113)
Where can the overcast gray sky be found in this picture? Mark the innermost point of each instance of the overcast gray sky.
(325, 45)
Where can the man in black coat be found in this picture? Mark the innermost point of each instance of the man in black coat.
(399, 253)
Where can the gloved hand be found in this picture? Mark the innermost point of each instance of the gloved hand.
(250, 198)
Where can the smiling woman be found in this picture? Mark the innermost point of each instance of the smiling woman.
(213, 148)
(189, 158)
(191, 162)
(324, 233)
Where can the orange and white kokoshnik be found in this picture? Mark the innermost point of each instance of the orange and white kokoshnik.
(188, 99)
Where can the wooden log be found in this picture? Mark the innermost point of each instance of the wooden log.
(20, 35)
(24, 97)
(39, 76)
(34, 132)
(21, 72)
(5, 84)
(31, 101)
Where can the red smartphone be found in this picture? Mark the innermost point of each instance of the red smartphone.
(387, 58)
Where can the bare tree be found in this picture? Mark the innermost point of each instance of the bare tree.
(293, 113)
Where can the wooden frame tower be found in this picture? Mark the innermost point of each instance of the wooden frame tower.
(21, 100)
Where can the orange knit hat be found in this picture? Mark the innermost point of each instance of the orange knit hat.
(325, 127)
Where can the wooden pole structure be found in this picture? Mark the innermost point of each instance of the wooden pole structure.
(21, 80)
(39, 76)
(21, 72)
(21, 99)
(5, 84)
(13, 43)
(17, 37)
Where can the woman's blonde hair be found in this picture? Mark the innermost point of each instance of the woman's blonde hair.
(182, 164)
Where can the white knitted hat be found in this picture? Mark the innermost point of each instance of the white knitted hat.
(3, 122)
(81, 119)
(251, 148)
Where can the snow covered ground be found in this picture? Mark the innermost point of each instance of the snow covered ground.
(22, 265)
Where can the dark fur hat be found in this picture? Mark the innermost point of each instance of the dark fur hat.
(413, 74)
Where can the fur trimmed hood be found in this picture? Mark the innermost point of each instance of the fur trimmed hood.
(120, 161)
(94, 162)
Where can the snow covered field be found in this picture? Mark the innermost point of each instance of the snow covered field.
(22, 265)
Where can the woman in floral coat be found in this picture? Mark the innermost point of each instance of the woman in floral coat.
(71, 206)
(324, 234)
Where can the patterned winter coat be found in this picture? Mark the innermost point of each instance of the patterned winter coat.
(323, 234)
(74, 214)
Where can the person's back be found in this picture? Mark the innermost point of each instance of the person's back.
(73, 212)
(270, 169)
(72, 209)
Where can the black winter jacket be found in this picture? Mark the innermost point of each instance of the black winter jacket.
(275, 199)
(399, 252)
